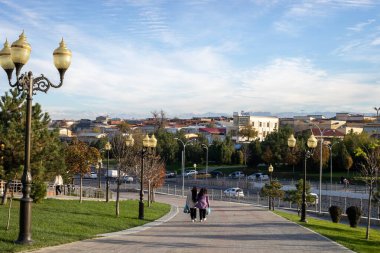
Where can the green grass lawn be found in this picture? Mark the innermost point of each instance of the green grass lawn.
(352, 238)
(62, 221)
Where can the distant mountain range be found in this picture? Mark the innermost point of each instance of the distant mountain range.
(93, 115)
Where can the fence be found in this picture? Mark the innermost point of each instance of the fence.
(252, 196)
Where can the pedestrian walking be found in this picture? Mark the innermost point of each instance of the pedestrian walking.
(58, 182)
(202, 204)
(191, 200)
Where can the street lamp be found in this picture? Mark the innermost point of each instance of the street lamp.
(206, 147)
(15, 57)
(184, 144)
(98, 168)
(270, 170)
(149, 144)
(108, 148)
(330, 146)
(195, 168)
(320, 165)
(311, 144)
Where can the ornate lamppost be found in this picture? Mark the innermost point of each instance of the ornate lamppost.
(108, 148)
(270, 171)
(15, 57)
(149, 144)
(311, 145)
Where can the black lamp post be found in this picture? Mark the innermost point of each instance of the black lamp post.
(15, 57)
(149, 144)
(108, 148)
(270, 170)
(311, 144)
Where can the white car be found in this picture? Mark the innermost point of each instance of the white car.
(258, 176)
(316, 199)
(127, 179)
(91, 175)
(234, 192)
(190, 173)
(236, 174)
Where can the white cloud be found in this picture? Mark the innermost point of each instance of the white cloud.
(292, 84)
(360, 26)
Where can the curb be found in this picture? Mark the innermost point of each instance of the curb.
(173, 212)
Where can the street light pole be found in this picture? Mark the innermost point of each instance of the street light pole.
(149, 144)
(308, 152)
(206, 147)
(270, 170)
(320, 166)
(15, 57)
(108, 148)
(330, 146)
(183, 162)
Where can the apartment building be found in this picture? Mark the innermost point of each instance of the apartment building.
(262, 124)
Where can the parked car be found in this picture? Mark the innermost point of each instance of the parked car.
(236, 174)
(127, 179)
(216, 173)
(170, 174)
(203, 175)
(190, 173)
(234, 192)
(258, 176)
(315, 197)
(91, 175)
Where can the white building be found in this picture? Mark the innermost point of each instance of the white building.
(264, 125)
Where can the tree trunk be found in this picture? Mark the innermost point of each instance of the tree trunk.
(118, 192)
(4, 198)
(80, 188)
(369, 212)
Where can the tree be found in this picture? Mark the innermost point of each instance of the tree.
(369, 170)
(267, 156)
(154, 175)
(46, 148)
(254, 153)
(317, 155)
(272, 190)
(295, 196)
(79, 158)
(248, 132)
(167, 146)
(120, 151)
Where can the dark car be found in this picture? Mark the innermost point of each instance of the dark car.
(216, 173)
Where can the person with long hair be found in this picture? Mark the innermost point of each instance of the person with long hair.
(191, 200)
(202, 204)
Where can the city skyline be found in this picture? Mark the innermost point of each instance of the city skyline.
(134, 57)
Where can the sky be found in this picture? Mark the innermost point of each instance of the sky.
(133, 57)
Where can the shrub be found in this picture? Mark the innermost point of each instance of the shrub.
(353, 214)
(335, 213)
(38, 191)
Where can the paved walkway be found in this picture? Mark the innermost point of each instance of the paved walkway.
(231, 227)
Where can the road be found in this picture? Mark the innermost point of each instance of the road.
(231, 227)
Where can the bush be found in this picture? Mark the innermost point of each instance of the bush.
(335, 213)
(353, 214)
(38, 191)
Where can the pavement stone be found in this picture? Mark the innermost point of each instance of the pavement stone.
(231, 227)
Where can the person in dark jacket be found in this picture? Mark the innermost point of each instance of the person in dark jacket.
(191, 200)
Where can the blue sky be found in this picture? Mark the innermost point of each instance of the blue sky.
(133, 57)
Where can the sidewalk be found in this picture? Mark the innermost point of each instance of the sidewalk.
(231, 227)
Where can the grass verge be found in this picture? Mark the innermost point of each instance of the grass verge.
(352, 238)
(62, 221)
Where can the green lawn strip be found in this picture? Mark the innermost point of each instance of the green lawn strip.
(352, 238)
(61, 221)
